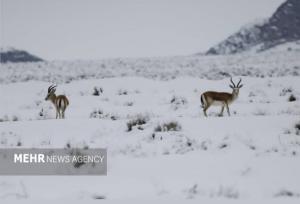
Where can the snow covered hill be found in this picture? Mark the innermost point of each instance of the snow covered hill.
(283, 26)
(282, 60)
(13, 55)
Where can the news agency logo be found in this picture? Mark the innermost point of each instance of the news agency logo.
(53, 161)
(42, 158)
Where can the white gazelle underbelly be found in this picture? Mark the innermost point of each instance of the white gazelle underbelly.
(218, 103)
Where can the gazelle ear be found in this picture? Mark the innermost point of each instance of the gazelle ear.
(240, 86)
(231, 86)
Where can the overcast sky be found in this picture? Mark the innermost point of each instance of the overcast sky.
(94, 29)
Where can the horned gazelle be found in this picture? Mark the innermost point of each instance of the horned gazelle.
(60, 102)
(220, 98)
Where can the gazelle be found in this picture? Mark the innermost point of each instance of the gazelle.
(60, 102)
(220, 98)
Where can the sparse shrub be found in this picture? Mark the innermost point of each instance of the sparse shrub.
(68, 145)
(137, 91)
(225, 74)
(9, 138)
(105, 99)
(6, 118)
(192, 191)
(122, 92)
(260, 112)
(169, 126)
(284, 91)
(297, 127)
(251, 94)
(223, 145)
(287, 131)
(42, 115)
(204, 145)
(292, 98)
(76, 152)
(97, 91)
(286, 193)
(113, 117)
(227, 192)
(252, 147)
(138, 121)
(98, 113)
(158, 129)
(178, 101)
(38, 103)
(14, 118)
(99, 197)
(129, 103)
(77, 163)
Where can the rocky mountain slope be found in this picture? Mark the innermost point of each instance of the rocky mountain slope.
(283, 26)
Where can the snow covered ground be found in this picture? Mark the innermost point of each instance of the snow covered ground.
(251, 157)
(282, 60)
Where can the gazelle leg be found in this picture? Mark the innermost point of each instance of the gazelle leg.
(227, 107)
(63, 113)
(57, 114)
(204, 110)
(222, 109)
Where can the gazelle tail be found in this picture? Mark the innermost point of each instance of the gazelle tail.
(202, 100)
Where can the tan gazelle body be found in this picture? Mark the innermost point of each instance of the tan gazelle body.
(222, 99)
(60, 102)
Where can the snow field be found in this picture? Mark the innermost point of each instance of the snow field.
(251, 156)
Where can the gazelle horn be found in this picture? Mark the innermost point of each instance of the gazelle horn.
(232, 82)
(52, 87)
(239, 82)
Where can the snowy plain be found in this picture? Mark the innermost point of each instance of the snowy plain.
(250, 157)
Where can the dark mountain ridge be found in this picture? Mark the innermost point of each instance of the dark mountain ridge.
(13, 55)
(283, 26)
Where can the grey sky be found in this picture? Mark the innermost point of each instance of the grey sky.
(94, 29)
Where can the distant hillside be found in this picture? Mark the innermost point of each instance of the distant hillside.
(13, 55)
(283, 26)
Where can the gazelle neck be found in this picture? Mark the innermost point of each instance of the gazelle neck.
(235, 94)
(53, 98)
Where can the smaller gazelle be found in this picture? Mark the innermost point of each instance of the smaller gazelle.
(60, 102)
(220, 98)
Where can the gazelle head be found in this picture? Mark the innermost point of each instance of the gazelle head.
(51, 92)
(235, 88)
